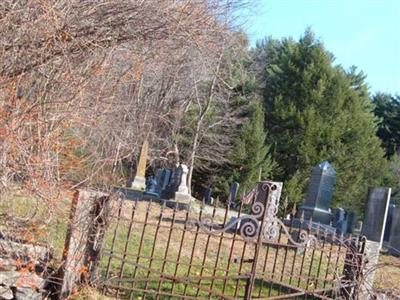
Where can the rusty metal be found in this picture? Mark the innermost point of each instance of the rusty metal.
(121, 271)
(161, 252)
(236, 228)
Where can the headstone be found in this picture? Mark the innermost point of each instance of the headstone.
(207, 199)
(351, 222)
(375, 214)
(358, 228)
(394, 239)
(139, 183)
(389, 222)
(182, 194)
(233, 224)
(173, 184)
(162, 179)
(165, 178)
(373, 229)
(339, 220)
(319, 195)
(151, 186)
(233, 190)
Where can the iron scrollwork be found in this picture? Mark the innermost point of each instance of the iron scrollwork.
(261, 223)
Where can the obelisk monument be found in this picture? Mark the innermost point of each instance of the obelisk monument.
(139, 183)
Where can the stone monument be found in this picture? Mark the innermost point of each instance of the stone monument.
(162, 178)
(173, 184)
(394, 239)
(151, 187)
(375, 214)
(182, 194)
(139, 183)
(340, 220)
(207, 198)
(373, 229)
(319, 195)
(389, 220)
(351, 222)
(233, 190)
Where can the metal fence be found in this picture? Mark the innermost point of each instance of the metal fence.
(154, 251)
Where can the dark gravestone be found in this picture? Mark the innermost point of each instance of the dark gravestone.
(351, 222)
(394, 239)
(375, 214)
(319, 195)
(207, 196)
(173, 184)
(233, 190)
(340, 221)
(158, 179)
(163, 177)
(151, 187)
(389, 219)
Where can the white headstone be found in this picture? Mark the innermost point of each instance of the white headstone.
(183, 185)
(182, 195)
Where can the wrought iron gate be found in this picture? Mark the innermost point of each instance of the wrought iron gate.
(155, 252)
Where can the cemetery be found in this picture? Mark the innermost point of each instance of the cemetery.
(177, 236)
(199, 149)
(160, 240)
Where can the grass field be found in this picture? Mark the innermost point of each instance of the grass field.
(193, 260)
(204, 255)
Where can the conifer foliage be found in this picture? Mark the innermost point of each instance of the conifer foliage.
(252, 161)
(316, 111)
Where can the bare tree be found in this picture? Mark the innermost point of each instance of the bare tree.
(82, 83)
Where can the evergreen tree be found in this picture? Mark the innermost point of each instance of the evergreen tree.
(315, 111)
(251, 154)
(387, 109)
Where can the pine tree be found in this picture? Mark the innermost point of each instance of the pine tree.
(315, 111)
(251, 154)
(387, 109)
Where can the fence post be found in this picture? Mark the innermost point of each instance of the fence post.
(353, 266)
(268, 194)
(83, 242)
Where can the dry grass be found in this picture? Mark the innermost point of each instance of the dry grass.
(209, 255)
(387, 276)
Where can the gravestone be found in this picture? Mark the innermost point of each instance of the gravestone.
(207, 196)
(373, 229)
(233, 190)
(151, 187)
(139, 183)
(182, 194)
(351, 222)
(389, 219)
(340, 221)
(173, 184)
(165, 178)
(375, 214)
(162, 178)
(394, 239)
(319, 195)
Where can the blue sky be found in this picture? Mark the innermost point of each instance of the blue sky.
(364, 33)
